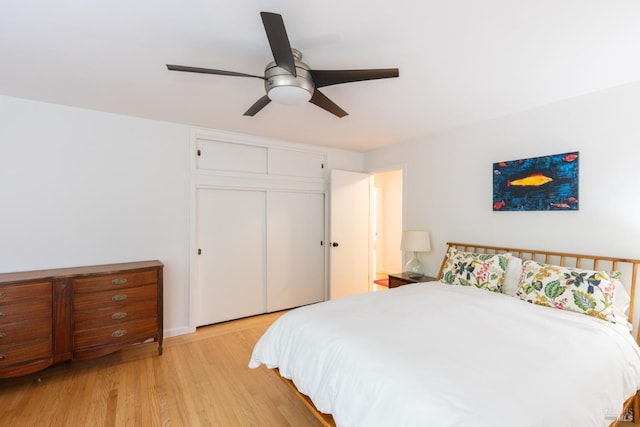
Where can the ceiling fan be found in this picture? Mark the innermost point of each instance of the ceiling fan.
(287, 79)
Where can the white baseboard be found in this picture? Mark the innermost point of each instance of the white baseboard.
(177, 331)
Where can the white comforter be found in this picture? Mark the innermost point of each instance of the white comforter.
(430, 354)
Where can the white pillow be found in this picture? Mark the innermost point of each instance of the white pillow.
(621, 300)
(512, 276)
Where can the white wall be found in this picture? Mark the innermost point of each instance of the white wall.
(389, 185)
(449, 178)
(80, 187)
(393, 220)
(346, 160)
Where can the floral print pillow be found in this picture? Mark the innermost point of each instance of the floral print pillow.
(583, 291)
(484, 271)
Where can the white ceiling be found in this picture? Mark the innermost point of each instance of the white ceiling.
(460, 61)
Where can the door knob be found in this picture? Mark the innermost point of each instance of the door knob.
(335, 244)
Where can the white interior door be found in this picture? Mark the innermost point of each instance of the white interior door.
(295, 248)
(349, 235)
(231, 265)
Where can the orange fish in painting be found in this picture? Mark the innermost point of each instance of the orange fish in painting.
(502, 164)
(570, 157)
(535, 180)
(499, 205)
(560, 205)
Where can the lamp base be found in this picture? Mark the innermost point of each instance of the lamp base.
(414, 268)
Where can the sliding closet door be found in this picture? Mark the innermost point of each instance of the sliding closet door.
(231, 264)
(295, 249)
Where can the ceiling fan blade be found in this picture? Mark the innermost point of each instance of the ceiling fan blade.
(259, 105)
(323, 78)
(209, 71)
(278, 40)
(325, 103)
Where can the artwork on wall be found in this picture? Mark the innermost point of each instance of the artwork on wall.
(544, 183)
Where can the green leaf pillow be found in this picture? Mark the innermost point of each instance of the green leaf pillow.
(583, 291)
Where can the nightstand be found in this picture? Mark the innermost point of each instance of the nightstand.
(399, 279)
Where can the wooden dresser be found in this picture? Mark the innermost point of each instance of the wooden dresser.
(50, 316)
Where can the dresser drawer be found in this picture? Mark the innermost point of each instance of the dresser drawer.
(125, 332)
(20, 332)
(25, 310)
(22, 292)
(13, 354)
(114, 298)
(115, 316)
(115, 281)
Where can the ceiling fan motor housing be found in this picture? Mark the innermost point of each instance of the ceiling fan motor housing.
(283, 87)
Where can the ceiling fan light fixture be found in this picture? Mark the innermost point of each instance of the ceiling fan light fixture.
(289, 95)
(285, 88)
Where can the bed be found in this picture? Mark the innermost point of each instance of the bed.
(506, 337)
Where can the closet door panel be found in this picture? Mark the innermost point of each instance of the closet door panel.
(295, 248)
(295, 163)
(231, 266)
(229, 157)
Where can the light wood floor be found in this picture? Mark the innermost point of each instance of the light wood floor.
(202, 379)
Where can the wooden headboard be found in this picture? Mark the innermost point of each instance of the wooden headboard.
(628, 267)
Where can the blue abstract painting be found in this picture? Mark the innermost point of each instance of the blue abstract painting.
(546, 183)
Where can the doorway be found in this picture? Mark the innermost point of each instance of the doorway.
(386, 226)
(366, 219)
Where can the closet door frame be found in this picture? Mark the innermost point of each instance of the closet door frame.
(271, 181)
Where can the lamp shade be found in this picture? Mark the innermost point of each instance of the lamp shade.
(415, 241)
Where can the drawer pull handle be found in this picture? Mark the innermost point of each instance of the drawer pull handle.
(119, 297)
(120, 281)
(2, 357)
(119, 333)
(2, 295)
(119, 315)
(1, 314)
(2, 335)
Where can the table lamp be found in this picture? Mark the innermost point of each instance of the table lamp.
(415, 241)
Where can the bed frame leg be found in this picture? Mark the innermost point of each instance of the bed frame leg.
(636, 409)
